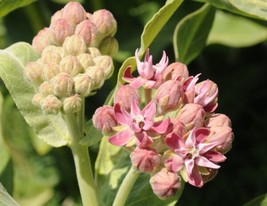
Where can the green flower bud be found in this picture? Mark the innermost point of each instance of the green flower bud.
(74, 45)
(51, 55)
(70, 65)
(34, 72)
(85, 60)
(61, 29)
(74, 13)
(105, 22)
(83, 84)
(94, 52)
(72, 104)
(45, 89)
(62, 85)
(50, 104)
(50, 70)
(37, 98)
(106, 63)
(109, 46)
(97, 75)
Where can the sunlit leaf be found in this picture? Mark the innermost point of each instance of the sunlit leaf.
(156, 23)
(236, 31)
(50, 128)
(258, 201)
(5, 198)
(191, 33)
(7, 6)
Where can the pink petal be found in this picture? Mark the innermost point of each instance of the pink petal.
(149, 111)
(193, 174)
(204, 162)
(161, 127)
(174, 141)
(202, 134)
(215, 156)
(143, 140)
(138, 82)
(135, 110)
(122, 116)
(121, 138)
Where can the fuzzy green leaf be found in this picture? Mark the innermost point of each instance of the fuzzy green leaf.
(50, 128)
(92, 136)
(236, 31)
(7, 6)
(258, 201)
(191, 34)
(5, 198)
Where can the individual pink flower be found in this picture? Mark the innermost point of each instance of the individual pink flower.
(150, 76)
(137, 123)
(197, 152)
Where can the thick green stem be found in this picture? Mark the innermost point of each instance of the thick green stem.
(126, 187)
(82, 162)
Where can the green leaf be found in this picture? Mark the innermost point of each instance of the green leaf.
(258, 201)
(154, 26)
(93, 136)
(5, 198)
(236, 31)
(250, 8)
(191, 33)
(7, 6)
(50, 128)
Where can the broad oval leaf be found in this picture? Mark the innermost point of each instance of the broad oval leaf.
(191, 33)
(5, 198)
(258, 201)
(236, 31)
(7, 6)
(50, 128)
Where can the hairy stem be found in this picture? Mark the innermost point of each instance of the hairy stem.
(125, 188)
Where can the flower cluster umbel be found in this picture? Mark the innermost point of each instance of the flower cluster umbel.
(168, 122)
(75, 58)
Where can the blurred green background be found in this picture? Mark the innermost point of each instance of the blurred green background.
(46, 176)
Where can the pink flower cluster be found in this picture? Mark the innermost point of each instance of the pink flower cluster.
(169, 123)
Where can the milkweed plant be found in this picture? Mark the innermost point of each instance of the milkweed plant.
(159, 128)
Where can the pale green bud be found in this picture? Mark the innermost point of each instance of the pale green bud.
(106, 63)
(72, 104)
(51, 55)
(45, 89)
(97, 75)
(109, 46)
(94, 52)
(50, 104)
(34, 72)
(37, 98)
(74, 45)
(50, 70)
(70, 65)
(85, 60)
(62, 85)
(83, 84)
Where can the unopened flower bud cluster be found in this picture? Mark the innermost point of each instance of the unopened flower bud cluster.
(75, 58)
(167, 119)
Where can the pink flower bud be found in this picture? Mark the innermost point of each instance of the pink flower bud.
(145, 160)
(61, 29)
(72, 104)
(104, 119)
(50, 104)
(191, 115)
(85, 29)
(34, 73)
(109, 46)
(176, 71)
(218, 120)
(83, 84)
(169, 95)
(43, 39)
(56, 16)
(74, 13)
(224, 136)
(62, 85)
(74, 45)
(70, 65)
(50, 70)
(165, 184)
(105, 22)
(125, 95)
(206, 95)
(45, 89)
